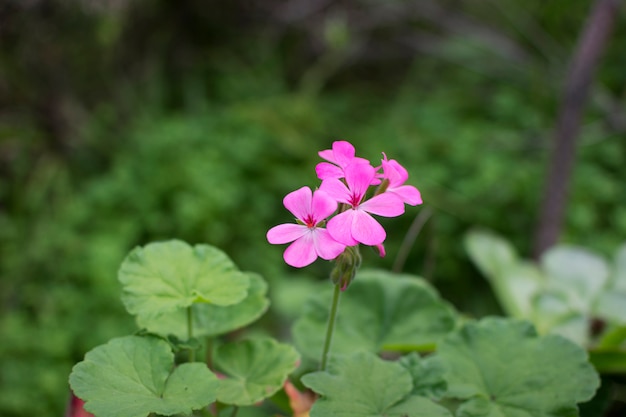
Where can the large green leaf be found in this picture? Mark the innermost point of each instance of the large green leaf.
(379, 311)
(503, 368)
(210, 319)
(254, 369)
(132, 377)
(166, 276)
(363, 385)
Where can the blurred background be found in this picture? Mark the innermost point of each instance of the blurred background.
(128, 121)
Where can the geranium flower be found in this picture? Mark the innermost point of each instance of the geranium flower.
(309, 239)
(341, 155)
(356, 225)
(397, 175)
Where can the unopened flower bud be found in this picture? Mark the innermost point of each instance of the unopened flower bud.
(346, 267)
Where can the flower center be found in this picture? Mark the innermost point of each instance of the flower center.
(355, 200)
(309, 221)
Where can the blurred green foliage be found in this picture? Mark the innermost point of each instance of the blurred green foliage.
(163, 120)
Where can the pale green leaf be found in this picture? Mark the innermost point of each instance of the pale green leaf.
(134, 376)
(380, 311)
(611, 306)
(505, 369)
(210, 319)
(166, 276)
(578, 273)
(363, 385)
(254, 370)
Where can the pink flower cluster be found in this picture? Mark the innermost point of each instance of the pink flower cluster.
(346, 180)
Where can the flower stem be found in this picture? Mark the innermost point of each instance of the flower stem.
(235, 410)
(192, 352)
(209, 352)
(331, 326)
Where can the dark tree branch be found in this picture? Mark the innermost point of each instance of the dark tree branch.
(577, 85)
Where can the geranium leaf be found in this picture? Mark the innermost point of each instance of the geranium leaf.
(254, 369)
(401, 313)
(166, 276)
(210, 319)
(363, 385)
(503, 368)
(427, 374)
(132, 377)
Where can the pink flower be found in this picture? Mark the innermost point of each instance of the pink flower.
(341, 155)
(397, 175)
(356, 225)
(309, 240)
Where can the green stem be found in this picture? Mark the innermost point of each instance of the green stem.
(331, 326)
(234, 413)
(192, 352)
(209, 352)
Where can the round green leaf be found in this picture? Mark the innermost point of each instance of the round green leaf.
(363, 385)
(210, 319)
(165, 276)
(505, 369)
(379, 311)
(254, 369)
(132, 377)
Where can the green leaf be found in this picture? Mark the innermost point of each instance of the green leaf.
(514, 281)
(166, 276)
(363, 385)
(504, 369)
(209, 319)
(379, 311)
(577, 272)
(132, 377)
(553, 314)
(427, 374)
(254, 369)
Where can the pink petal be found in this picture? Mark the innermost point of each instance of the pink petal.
(285, 233)
(336, 190)
(325, 246)
(301, 252)
(394, 172)
(340, 228)
(408, 194)
(385, 204)
(299, 202)
(327, 155)
(359, 176)
(325, 170)
(367, 230)
(322, 205)
(343, 152)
